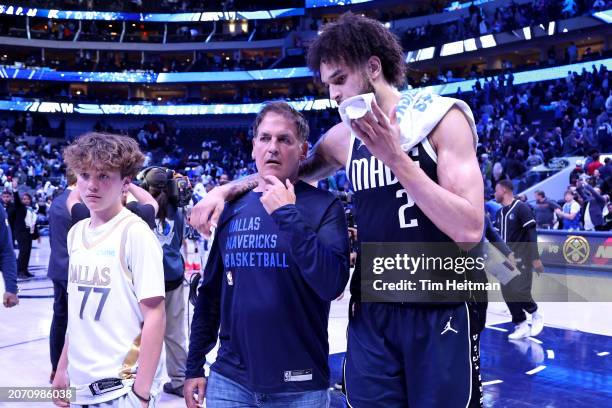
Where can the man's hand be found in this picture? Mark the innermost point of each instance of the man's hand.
(194, 386)
(512, 259)
(277, 194)
(10, 299)
(538, 266)
(352, 233)
(380, 134)
(61, 382)
(205, 214)
(559, 212)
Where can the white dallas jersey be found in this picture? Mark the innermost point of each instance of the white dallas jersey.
(112, 268)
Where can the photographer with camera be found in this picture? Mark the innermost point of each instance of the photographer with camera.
(171, 191)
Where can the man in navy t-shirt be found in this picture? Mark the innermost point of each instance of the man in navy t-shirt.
(279, 257)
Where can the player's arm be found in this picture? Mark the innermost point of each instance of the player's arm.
(327, 156)
(456, 203)
(154, 314)
(205, 214)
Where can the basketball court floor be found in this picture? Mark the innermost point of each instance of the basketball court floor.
(568, 365)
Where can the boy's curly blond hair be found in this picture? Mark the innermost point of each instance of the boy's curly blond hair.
(104, 151)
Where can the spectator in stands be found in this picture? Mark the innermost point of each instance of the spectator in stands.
(593, 163)
(544, 210)
(9, 207)
(608, 218)
(576, 172)
(570, 214)
(224, 179)
(534, 159)
(25, 230)
(595, 204)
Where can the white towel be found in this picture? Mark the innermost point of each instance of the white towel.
(418, 113)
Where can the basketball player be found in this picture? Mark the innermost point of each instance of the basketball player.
(116, 314)
(396, 354)
(279, 257)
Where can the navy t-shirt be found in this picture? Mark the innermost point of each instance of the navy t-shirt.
(60, 222)
(268, 284)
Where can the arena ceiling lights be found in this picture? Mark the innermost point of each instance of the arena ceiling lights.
(29, 105)
(420, 55)
(471, 44)
(11, 10)
(605, 16)
(146, 77)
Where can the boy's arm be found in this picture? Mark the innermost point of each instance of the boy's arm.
(61, 380)
(144, 259)
(151, 343)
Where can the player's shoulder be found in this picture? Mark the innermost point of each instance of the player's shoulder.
(337, 138)
(337, 131)
(313, 194)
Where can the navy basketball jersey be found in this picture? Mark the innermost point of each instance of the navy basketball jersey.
(384, 212)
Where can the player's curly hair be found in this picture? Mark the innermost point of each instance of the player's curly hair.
(352, 40)
(104, 151)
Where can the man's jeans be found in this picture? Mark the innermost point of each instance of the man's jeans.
(221, 392)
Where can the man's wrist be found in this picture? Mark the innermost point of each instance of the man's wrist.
(141, 394)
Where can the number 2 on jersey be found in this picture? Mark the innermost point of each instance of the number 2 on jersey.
(86, 291)
(401, 213)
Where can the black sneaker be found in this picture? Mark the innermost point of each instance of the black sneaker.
(178, 391)
(24, 276)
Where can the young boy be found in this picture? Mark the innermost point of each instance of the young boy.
(116, 315)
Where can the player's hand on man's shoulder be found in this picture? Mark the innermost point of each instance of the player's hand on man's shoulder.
(277, 194)
(205, 214)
